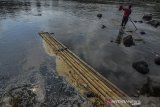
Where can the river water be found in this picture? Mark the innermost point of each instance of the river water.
(24, 61)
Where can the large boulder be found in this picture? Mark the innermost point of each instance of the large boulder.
(147, 17)
(141, 66)
(154, 23)
(128, 41)
(157, 60)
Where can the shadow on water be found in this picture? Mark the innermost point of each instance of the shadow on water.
(120, 35)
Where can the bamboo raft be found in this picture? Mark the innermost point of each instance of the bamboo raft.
(94, 82)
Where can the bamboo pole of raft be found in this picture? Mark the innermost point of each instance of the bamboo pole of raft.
(74, 61)
(111, 95)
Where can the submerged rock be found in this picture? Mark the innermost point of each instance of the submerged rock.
(147, 17)
(154, 23)
(140, 21)
(111, 41)
(135, 21)
(142, 33)
(99, 15)
(128, 41)
(141, 66)
(157, 60)
(103, 26)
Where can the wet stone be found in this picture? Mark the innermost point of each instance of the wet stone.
(111, 41)
(103, 26)
(141, 66)
(140, 21)
(157, 60)
(147, 17)
(142, 33)
(128, 41)
(135, 21)
(99, 15)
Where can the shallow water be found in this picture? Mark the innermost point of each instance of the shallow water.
(24, 61)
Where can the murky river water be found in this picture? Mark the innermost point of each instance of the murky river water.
(24, 61)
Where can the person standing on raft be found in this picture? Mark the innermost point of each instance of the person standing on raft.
(127, 12)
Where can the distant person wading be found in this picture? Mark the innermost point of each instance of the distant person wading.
(127, 12)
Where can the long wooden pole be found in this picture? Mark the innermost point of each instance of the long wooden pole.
(133, 24)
